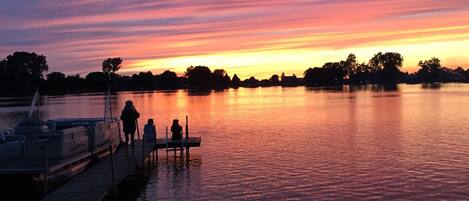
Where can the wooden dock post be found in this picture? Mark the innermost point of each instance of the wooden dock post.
(120, 134)
(46, 169)
(156, 147)
(167, 139)
(181, 145)
(187, 135)
(138, 131)
(113, 177)
(143, 152)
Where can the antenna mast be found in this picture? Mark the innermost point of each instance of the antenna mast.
(35, 102)
(107, 106)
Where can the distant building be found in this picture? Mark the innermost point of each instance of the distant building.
(289, 81)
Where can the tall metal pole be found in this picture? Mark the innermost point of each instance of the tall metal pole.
(38, 103)
(110, 100)
(34, 103)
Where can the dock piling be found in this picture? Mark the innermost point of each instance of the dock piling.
(166, 139)
(138, 131)
(156, 148)
(187, 135)
(181, 145)
(120, 134)
(113, 177)
(46, 169)
(143, 152)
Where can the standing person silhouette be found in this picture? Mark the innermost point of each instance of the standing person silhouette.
(129, 118)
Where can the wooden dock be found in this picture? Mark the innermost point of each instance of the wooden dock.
(192, 142)
(95, 183)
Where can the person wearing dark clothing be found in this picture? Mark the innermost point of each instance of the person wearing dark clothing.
(149, 131)
(129, 118)
(176, 129)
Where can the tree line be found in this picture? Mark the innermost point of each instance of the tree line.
(382, 68)
(22, 72)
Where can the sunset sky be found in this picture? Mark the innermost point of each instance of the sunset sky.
(246, 37)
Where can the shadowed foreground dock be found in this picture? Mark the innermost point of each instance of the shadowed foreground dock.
(95, 183)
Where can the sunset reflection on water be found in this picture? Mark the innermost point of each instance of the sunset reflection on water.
(300, 143)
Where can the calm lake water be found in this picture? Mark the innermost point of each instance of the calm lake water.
(299, 143)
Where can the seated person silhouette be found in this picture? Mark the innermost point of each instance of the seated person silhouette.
(149, 131)
(176, 129)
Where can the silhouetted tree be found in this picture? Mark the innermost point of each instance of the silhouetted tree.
(199, 77)
(235, 81)
(430, 71)
(168, 80)
(362, 74)
(75, 83)
(348, 69)
(387, 65)
(227, 80)
(265, 83)
(318, 77)
(335, 71)
(56, 82)
(97, 81)
(466, 75)
(218, 78)
(55, 77)
(350, 65)
(274, 80)
(251, 82)
(111, 65)
(143, 81)
(219, 72)
(22, 72)
(459, 74)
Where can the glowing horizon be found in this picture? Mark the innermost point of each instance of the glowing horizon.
(257, 38)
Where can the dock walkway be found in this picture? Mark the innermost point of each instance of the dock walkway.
(95, 183)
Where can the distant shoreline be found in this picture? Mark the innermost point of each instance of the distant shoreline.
(22, 73)
(354, 87)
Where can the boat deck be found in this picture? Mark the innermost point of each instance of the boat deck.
(20, 166)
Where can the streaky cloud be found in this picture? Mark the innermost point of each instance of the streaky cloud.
(76, 35)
